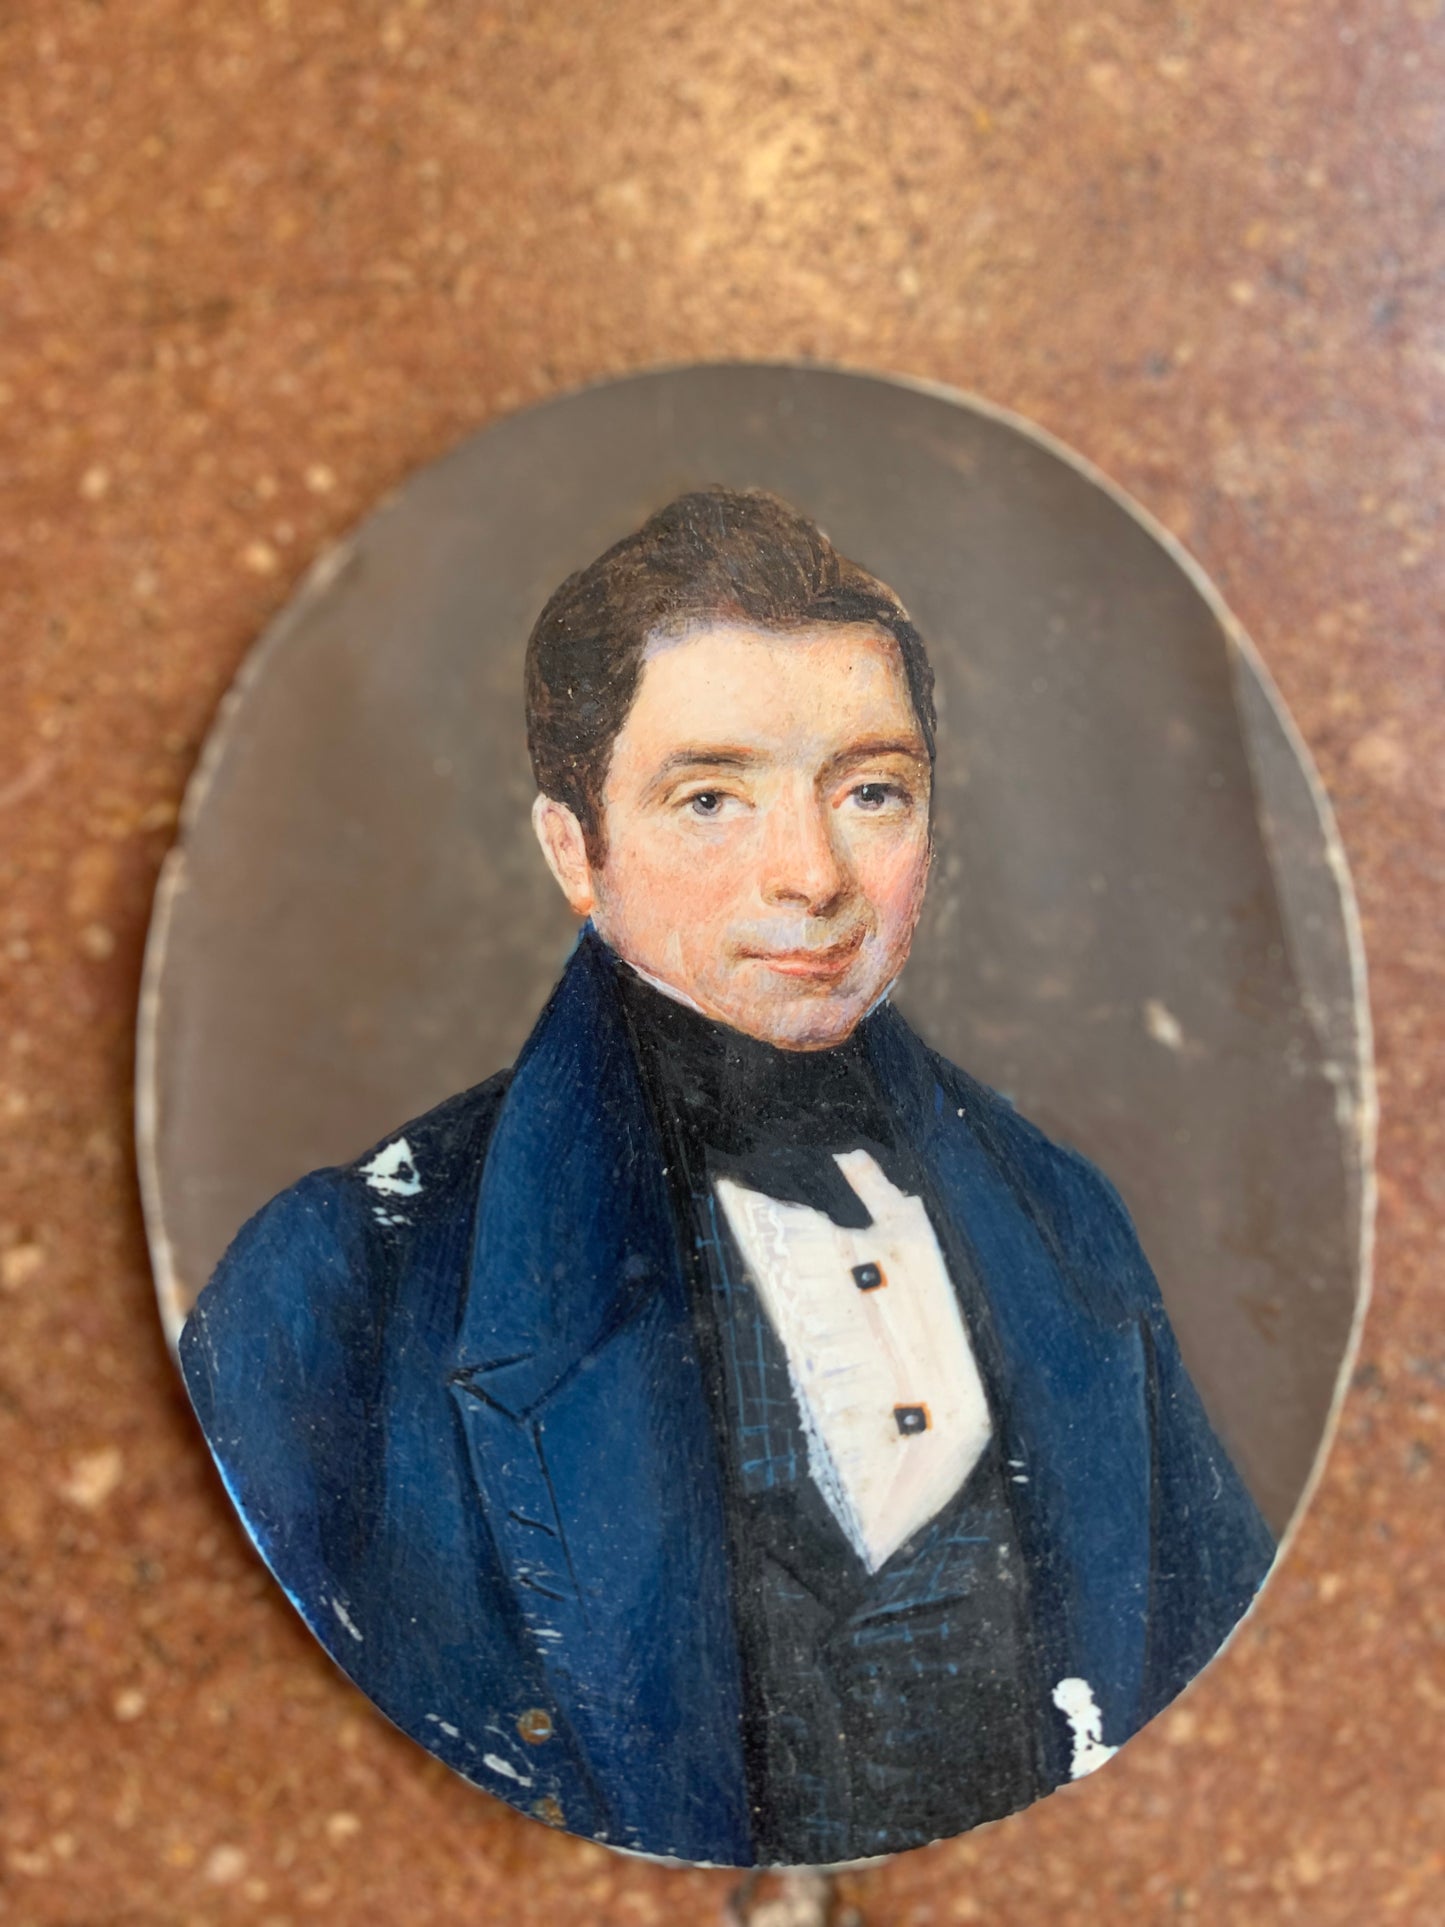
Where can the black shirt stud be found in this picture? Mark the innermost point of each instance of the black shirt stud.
(911, 1419)
(868, 1277)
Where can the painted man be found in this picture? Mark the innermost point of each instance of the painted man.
(734, 1433)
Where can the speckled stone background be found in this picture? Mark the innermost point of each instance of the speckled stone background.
(259, 260)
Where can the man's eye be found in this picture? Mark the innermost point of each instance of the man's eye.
(705, 803)
(877, 796)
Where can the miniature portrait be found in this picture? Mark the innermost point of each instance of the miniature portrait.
(732, 1431)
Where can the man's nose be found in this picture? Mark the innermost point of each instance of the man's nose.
(801, 863)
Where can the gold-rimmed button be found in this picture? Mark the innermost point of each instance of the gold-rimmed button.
(535, 1725)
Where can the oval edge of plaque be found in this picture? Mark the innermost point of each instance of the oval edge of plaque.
(332, 560)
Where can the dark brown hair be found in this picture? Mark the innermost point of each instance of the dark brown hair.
(714, 555)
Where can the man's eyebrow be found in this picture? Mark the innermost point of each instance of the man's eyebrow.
(703, 756)
(877, 747)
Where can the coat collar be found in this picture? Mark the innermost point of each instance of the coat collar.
(573, 1192)
(574, 1195)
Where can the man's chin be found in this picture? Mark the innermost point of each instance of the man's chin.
(801, 1016)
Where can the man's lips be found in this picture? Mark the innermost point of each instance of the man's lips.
(819, 965)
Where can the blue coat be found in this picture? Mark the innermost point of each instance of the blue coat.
(454, 1393)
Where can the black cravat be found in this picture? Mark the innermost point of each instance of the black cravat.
(772, 1119)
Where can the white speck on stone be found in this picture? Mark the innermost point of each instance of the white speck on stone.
(345, 1617)
(224, 1866)
(1162, 1025)
(20, 1264)
(97, 942)
(505, 1767)
(803, 1901)
(93, 1477)
(392, 1171)
(1075, 1700)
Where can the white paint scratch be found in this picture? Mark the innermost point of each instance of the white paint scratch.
(345, 1617)
(499, 1765)
(1075, 1700)
(392, 1171)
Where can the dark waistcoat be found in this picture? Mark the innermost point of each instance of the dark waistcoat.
(878, 1707)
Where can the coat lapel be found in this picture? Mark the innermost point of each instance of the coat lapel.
(1072, 1401)
(576, 1375)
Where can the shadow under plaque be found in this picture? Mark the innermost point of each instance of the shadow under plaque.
(1139, 926)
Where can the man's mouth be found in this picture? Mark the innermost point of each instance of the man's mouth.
(821, 965)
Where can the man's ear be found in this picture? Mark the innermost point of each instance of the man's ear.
(565, 848)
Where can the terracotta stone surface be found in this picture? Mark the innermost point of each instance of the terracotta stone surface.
(259, 260)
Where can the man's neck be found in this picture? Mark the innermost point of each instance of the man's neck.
(667, 989)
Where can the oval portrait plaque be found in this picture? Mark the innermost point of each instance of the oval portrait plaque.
(757, 1025)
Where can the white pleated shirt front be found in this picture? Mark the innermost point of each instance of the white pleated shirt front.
(888, 1389)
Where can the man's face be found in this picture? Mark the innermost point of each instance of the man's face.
(766, 811)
